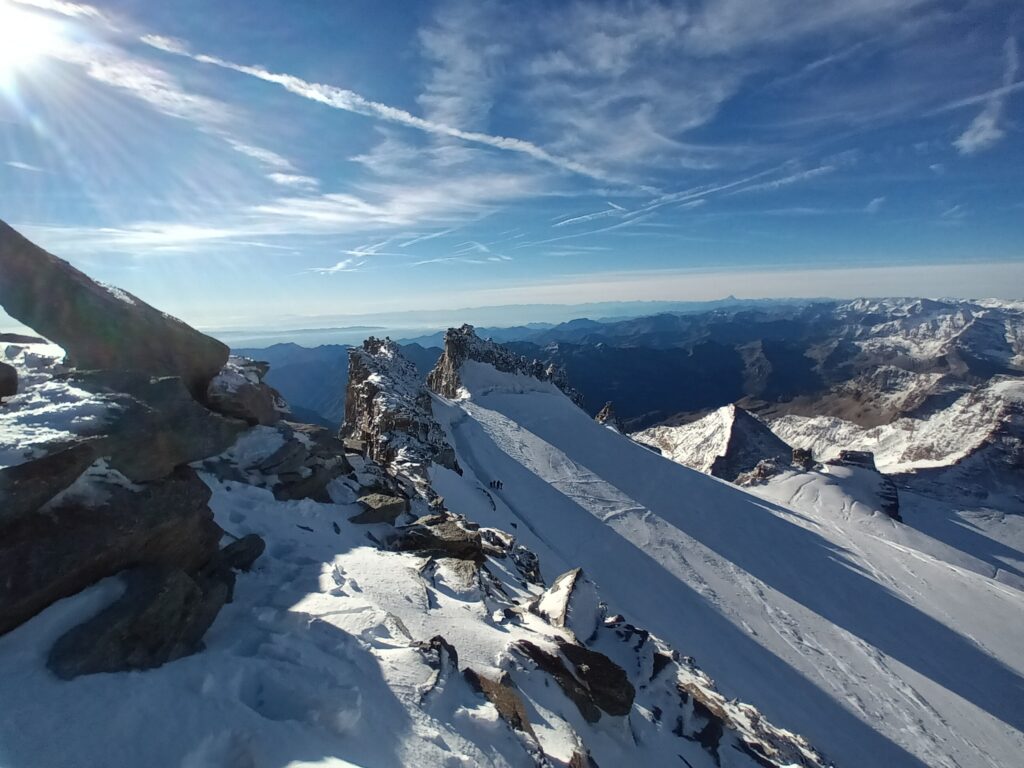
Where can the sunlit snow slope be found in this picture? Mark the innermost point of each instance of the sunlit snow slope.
(881, 652)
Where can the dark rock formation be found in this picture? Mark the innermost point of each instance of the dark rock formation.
(462, 344)
(98, 326)
(595, 684)
(8, 380)
(55, 553)
(162, 616)
(24, 488)
(865, 459)
(388, 408)
(439, 535)
(156, 426)
(380, 508)
(310, 459)
(803, 458)
(765, 470)
(239, 391)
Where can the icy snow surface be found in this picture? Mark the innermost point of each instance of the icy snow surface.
(879, 644)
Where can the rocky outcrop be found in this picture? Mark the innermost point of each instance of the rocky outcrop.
(239, 391)
(97, 325)
(440, 535)
(607, 417)
(8, 380)
(96, 529)
(803, 458)
(389, 410)
(155, 425)
(503, 695)
(593, 682)
(462, 344)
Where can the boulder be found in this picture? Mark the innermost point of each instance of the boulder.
(45, 557)
(162, 616)
(238, 391)
(241, 554)
(157, 424)
(24, 488)
(380, 508)
(8, 380)
(97, 325)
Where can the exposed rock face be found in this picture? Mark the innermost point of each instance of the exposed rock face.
(388, 408)
(595, 683)
(238, 391)
(162, 616)
(81, 538)
(156, 425)
(8, 380)
(726, 443)
(607, 417)
(99, 326)
(503, 695)
(462, 344)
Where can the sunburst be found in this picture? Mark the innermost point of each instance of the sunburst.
(25, 37)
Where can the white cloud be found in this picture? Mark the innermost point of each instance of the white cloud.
(875, 205)
(294, 180)
(985, 130)
(24, 166)
(74, 10)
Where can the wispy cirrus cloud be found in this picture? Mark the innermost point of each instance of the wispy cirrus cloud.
(345, 265)
(985, 130)
(350, 101)
(20, 166)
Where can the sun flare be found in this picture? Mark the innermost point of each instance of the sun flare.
(24, 37)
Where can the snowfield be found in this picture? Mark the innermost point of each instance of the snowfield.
(881, 645)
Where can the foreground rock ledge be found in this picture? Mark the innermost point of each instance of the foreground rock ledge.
(99, 326)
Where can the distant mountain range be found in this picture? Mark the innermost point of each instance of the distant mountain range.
(868, 362)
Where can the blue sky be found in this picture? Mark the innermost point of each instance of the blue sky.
(238, 161)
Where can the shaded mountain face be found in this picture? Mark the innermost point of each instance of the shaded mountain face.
(868, 362)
